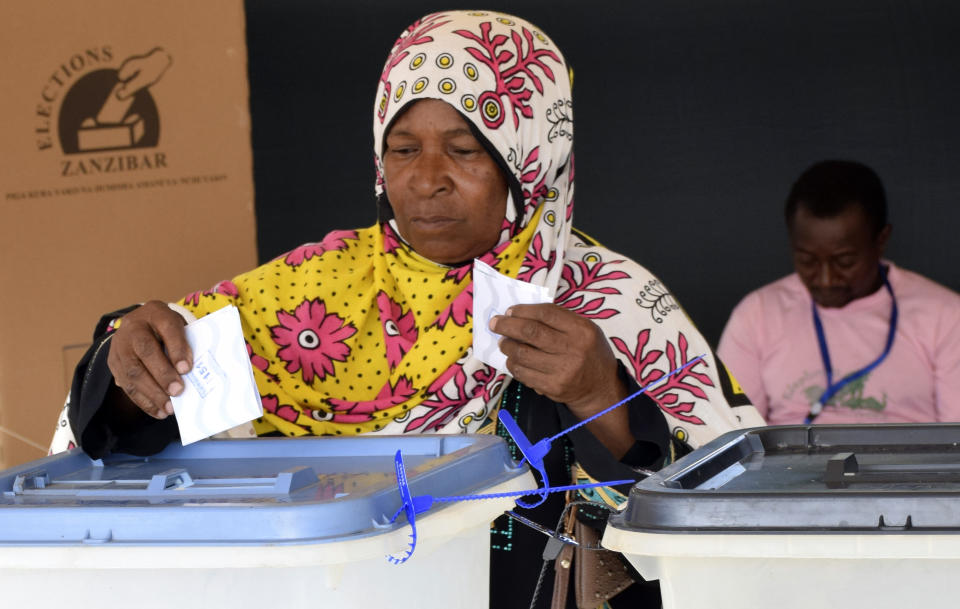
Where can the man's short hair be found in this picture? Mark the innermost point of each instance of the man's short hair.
(828, 188)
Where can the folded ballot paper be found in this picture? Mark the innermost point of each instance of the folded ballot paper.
(219, 392)
(493, 294)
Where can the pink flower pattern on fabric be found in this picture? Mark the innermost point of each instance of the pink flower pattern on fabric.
(441, 407)
(512, 78)
(334, 241)
(580, 276)
(534, 261)
(399, 328)
(570, 183)
(311, 339)
(346, 411)
(488, 382)
(272, 405)
(224, 288)
(391, 242)
(259, 362)
(533, 180)
(667, 394)
(460, 310)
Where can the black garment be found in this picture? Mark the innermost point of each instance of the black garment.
(92, 380)
(516, 550)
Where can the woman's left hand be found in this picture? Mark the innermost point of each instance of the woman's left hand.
(566, 357)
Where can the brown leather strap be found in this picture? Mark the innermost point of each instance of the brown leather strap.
(599, 574)
(561, 578)
(563, 565)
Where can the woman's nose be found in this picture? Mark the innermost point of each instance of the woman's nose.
(431, 174)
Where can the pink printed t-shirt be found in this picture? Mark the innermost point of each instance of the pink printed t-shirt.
(770, 345)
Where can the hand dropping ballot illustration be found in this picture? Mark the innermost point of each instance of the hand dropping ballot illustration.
(115, 126)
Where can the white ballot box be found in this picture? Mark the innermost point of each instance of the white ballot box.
(258, 523)
(851, 516)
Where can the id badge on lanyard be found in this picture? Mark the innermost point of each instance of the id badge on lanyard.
(833, 388)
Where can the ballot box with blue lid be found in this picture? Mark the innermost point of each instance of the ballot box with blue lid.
(851, 516)
(254, 522)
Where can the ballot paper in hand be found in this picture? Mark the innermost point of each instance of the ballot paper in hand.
(219, 392)
(493, 294)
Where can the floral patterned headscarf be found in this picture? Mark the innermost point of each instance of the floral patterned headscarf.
(358, 333)
(511, 82)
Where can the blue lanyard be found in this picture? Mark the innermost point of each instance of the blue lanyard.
(833, 388)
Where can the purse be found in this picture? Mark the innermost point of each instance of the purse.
(598, 575)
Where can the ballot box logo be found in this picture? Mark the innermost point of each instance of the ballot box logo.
(99, 106)
(112, 109)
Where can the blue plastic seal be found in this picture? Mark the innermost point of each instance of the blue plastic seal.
(532, 454)
(411, 505)
(421, 503)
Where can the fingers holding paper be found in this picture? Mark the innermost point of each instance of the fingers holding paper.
(148, 353)
(561, 355)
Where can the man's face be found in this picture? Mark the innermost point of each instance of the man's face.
(837, 258)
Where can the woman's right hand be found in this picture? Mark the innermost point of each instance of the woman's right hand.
(148, 353)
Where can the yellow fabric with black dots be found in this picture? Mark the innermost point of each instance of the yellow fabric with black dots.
(347, 334)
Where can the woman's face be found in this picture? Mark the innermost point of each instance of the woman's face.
(448, 195)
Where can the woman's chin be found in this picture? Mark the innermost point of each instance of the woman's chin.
(450, 249)
(449, 259)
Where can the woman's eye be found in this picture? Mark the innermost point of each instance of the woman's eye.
(465, 151)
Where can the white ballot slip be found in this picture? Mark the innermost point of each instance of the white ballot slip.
(493, 294)
(219, 392)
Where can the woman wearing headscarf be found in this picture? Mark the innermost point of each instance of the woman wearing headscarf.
(370, 330)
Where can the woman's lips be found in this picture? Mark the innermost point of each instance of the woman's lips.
(433, 222)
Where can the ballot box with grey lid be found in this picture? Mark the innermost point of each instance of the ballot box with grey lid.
(811, 516)
(241, 523)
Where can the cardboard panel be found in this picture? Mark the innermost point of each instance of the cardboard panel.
(125, 175)
(20, 449)
(70, 357)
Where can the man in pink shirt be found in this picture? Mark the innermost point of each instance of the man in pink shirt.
(849, 337)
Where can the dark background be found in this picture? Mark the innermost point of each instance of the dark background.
(693, 117)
